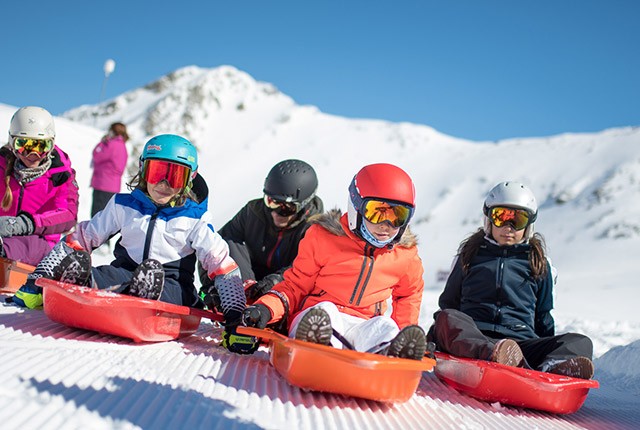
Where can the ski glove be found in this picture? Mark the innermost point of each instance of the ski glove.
(211, 298)
(263, 286)
(233, 341)
(256, 316)
(20, 225)
(238, 343)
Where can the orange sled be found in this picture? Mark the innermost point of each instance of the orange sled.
(494, 382)
(359, 374)
(106, 312)
(13, 275)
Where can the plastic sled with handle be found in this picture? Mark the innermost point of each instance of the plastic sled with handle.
(14, 275)
(494, 382)
(107, 312)
(352, 373)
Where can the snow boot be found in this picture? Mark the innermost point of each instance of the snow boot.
(147, 281)
(47, 265)
(75, 268)
(575, 367)
(410, 343)
(315, 326)
(507, 352)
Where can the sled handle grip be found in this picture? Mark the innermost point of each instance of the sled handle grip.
(213, 316)
(259, 332)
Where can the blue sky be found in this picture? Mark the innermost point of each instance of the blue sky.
(481, 70)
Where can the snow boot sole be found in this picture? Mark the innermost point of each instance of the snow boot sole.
(315, 327)
(75, 268)
(576, 367)
(147, 281)
(507, 352)
(410, 343)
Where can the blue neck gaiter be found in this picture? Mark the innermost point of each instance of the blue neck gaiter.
(366, 234)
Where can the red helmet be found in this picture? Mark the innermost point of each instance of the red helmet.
(379, 181)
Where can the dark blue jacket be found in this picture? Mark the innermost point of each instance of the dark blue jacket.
(500, 293)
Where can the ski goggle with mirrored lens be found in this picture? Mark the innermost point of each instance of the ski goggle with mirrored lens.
(27, 145)
(280, 207)
(176, 175)
(379, 211)
(518, 218)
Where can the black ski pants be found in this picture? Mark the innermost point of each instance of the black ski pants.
(456, 333)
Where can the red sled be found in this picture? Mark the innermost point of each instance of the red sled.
(106, 312)
(13, 275)
(352, 373)
(494, 382)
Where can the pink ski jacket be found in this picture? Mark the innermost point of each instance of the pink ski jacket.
(51, 200)
(109, 162)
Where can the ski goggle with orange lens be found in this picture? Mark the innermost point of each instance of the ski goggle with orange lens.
(518, 218)
(27, 145)
(176, 175)
(379, 211)
(280, 207)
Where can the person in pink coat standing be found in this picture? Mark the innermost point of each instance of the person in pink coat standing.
(109, 161)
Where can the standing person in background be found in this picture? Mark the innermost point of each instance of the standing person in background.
(497, 302)
(263, 236)
(39, 191)
(109, 162)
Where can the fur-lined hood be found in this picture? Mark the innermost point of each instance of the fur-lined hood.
(331, 221)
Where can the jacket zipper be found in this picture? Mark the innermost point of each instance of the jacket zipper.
(275, 247)
(365, 272)
(147, 239)
(20, 200)
(499, 286)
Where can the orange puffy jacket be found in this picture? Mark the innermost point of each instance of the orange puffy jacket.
(335, 265)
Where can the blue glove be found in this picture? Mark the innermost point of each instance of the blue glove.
(20, 225)
(28, 296)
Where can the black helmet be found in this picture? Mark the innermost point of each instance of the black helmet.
(291, 181)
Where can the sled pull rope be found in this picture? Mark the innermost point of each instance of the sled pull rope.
(342, 339)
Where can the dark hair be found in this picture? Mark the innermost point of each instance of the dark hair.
(537, 259)
(119, 129)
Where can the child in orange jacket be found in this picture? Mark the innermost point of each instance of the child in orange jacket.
(348, 266)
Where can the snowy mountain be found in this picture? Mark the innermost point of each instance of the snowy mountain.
(588, 188)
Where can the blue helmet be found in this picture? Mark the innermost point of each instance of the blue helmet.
(172, 148)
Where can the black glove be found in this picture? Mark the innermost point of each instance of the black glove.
(263, 286)
(239, 343)
(211, 298)
(20, 225)
(234, 342)
(256, 316)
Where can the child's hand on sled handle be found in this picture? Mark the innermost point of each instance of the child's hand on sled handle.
(256, 316)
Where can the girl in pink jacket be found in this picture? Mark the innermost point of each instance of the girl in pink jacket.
(39, 190)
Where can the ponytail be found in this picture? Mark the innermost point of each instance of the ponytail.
(7, 199)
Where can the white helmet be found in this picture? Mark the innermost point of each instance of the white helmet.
(513, 195)
(34, 122)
